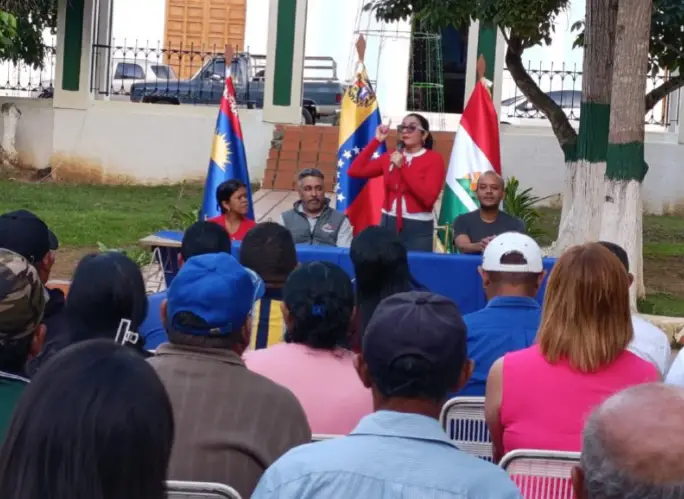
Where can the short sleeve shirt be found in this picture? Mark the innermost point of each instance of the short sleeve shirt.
(472, 225)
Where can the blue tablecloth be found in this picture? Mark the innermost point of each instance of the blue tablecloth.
(454, 276)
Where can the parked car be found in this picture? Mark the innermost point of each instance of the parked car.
(518, 108)
(127, 72)
(322, 96)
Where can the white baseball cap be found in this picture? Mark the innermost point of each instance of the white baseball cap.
(512, 242)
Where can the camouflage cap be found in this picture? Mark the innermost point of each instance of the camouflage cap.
(22, 297)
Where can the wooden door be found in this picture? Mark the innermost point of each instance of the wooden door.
(196, 29)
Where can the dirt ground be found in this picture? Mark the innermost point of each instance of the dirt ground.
(66, 261)
(664, 275)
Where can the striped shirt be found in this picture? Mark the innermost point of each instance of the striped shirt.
(388, 455)
(268, 327)
(231, 423)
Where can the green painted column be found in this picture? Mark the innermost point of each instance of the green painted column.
(486, 46)
(285, 61)
(73, 43)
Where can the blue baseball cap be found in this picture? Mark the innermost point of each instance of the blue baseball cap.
(215, 288)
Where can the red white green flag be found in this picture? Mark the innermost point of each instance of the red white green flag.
(477, 149)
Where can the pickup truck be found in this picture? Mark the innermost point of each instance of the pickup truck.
(322, 96)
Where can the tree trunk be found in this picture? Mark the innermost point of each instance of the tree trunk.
(621, 217)
(586, 165)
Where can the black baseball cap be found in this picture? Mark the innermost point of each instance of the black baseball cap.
(421, 324)
(24, 233)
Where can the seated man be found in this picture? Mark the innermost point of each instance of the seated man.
(474, 230)
(22, 304)
(269, 251)
(27, 235)
(630, 446)
(512, 272)
(200, 238)
(414, 353)
(231, 423)
(312, 220)
(649, 342)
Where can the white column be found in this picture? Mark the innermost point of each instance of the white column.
(281, 69)
(680, 119)
(499, 70)
(76, 96)
(103, 52)
(471, 65)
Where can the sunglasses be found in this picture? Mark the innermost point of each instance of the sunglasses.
(409, 128)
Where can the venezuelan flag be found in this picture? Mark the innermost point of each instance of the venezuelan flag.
(361, 200)
(228, 158)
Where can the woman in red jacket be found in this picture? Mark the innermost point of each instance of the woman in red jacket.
(231, 197)
(414, 178)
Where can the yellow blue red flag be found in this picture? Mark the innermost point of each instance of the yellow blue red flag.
(228, 159)
(360, 199)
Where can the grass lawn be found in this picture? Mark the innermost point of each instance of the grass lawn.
(663, 261)
(118, 216)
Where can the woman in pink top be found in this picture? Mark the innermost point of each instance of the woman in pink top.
(318, 307)
(539, 397)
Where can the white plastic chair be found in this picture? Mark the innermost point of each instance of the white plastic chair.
(542, 474)
(199, 490)
(463, 420)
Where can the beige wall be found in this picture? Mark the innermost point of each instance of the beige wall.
(146, 143)
(122, 141)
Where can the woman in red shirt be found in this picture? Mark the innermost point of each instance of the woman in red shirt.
(413, 176)
(231, 196)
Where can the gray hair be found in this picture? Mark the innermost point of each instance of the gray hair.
(603, 478)
(309, 172)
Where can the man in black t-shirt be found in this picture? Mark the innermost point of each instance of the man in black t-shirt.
(474, 230)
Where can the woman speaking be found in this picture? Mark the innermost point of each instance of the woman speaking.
(414, 178)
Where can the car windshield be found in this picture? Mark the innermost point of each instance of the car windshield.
(163, 72)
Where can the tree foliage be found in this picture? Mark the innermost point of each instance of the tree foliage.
(526, 23)
(22, 24)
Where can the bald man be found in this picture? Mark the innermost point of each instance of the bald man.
(633, 446)
(474, 230)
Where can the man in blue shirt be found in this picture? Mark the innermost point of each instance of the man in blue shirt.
(201, 238)
(414, 352)
(512, 272)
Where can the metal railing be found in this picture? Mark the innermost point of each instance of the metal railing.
(563, 83)
(167, 70)
(18, 79)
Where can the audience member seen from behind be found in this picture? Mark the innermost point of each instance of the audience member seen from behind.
(107, 291)
(269, 251)
(381, 269)
(94, 423)
(649, 342)
(232, 423)
(414, 354)
(22, 302)
(475, 230)
(413, 178)
(311, 220)
(232, 199)
(27, 235)
(539, 397)
(631, 447)
(512, 273)
(318, 306)
(200, 238)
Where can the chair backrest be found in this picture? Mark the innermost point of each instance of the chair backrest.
(199, 490)
(463, 420)
(319, 437)
(542, 474)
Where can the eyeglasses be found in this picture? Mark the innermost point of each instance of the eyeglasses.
(409, 128)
